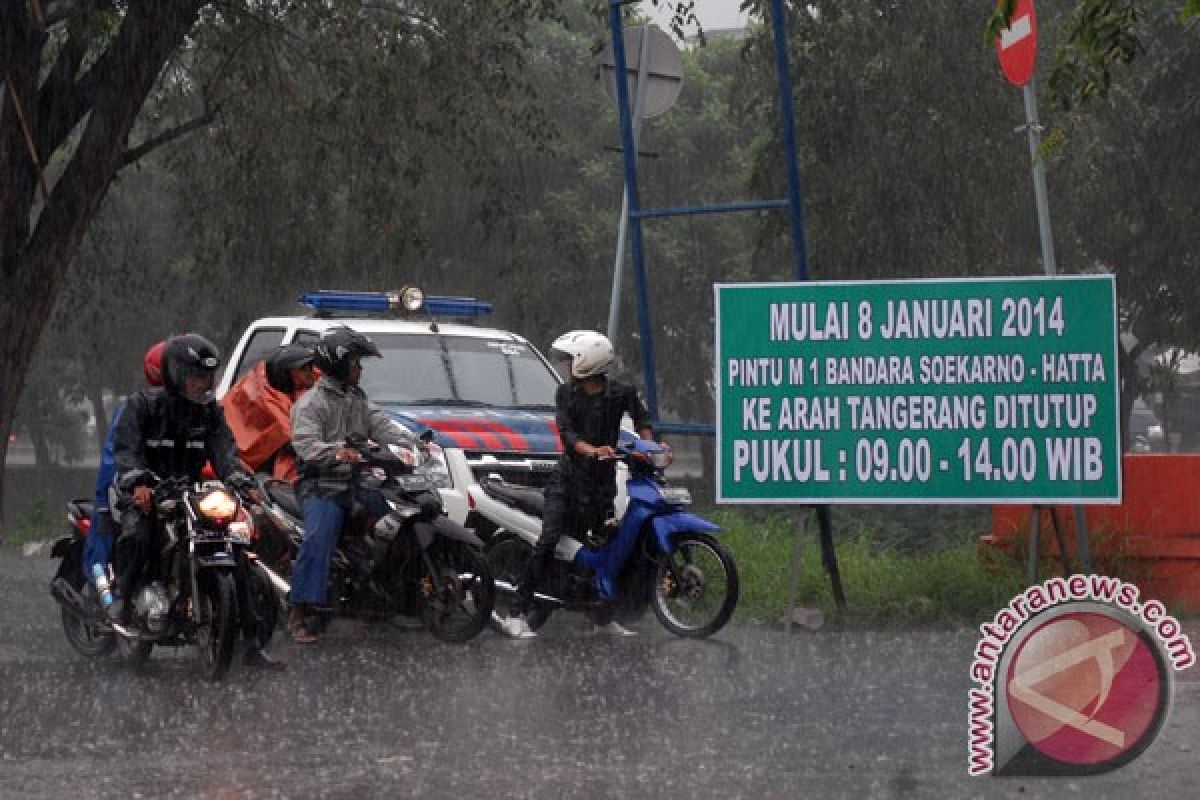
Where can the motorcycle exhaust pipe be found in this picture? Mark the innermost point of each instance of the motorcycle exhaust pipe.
(508, 588)
(75, 605)
(276, 580)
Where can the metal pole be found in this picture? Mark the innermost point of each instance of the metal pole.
(614, 303)
(639, 271)
(787, 117)
(1034, 129)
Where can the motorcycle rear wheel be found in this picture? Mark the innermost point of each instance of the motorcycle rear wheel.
(457, 603)
(698, 598)
(216, 613)
(86, 637)
(508, 558)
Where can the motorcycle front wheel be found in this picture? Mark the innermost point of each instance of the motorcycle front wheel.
(457, 602)
(216, 613)
(695, 586)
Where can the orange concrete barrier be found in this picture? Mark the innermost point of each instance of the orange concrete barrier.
(1153, 536)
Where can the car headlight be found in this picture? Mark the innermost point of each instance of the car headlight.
(434, 468)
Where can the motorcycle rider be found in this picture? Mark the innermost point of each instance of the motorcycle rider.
(170, 432)
(258, 410)
(333, 410)
(97, 546)
(580, 494)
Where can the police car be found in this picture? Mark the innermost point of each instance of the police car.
(486, 393)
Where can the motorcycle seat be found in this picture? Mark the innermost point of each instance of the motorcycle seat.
(524, 498)
(285, 495)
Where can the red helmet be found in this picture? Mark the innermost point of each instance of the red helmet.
(152, 364)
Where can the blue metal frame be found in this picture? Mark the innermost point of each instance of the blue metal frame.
(637, 213)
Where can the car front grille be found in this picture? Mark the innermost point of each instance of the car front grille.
(524, 469)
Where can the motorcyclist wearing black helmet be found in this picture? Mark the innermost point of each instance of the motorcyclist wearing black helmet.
(170, 432)
(322, 420)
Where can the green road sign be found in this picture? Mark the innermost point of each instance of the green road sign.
(929, 391)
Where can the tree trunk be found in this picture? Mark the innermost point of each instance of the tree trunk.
(42, 459)
(95, 395)
(110, 94)
(1132, 386)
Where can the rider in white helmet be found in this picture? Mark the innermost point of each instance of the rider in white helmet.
(580, 493)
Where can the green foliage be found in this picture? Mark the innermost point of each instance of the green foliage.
(37, 523)
(947, 582)
(1099, 35)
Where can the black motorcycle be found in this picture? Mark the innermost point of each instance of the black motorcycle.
(203, 545)
(414, 561)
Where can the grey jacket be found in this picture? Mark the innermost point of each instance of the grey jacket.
(322, 419)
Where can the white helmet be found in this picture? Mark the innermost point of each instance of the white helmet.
(591, 353)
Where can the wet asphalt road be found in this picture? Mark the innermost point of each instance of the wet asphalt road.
(373, 711)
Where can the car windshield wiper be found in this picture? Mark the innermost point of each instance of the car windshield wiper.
(533, 407)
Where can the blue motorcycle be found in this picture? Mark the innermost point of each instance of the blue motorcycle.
(657, 554)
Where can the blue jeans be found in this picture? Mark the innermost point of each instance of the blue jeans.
(98, 544)
(323, 518)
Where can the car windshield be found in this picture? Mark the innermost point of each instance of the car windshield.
(457, 371)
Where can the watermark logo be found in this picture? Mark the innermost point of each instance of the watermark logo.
(1074, 678)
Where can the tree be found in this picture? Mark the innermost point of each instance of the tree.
(75, 78)
(77, 74)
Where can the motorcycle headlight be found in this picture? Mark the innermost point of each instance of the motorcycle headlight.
(676, 496)
(217, 506)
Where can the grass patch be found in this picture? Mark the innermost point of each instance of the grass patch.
(885, 584)
(37, 523)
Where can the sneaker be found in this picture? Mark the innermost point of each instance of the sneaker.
(516, 627)
(612, 629)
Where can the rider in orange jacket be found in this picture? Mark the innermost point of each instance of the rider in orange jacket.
(258, 410)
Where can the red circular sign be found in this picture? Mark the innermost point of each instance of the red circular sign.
(1017, 44)
(1085, 689)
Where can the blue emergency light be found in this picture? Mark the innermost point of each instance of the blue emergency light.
(409, 299)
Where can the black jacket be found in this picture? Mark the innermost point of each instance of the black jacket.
(172, 438)
(595, 419)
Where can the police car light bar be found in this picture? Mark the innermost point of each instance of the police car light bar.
(457, 306)
(410, 299)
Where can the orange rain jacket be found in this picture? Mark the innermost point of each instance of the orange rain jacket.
(260, 417)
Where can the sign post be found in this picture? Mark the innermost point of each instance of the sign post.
(1016, 48)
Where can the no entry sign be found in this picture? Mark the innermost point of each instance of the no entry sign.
(1017, 44)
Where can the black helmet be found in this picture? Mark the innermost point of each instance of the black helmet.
(285, 359)
(187, 356)
(337, 347)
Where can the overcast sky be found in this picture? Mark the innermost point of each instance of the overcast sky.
(713, 14)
